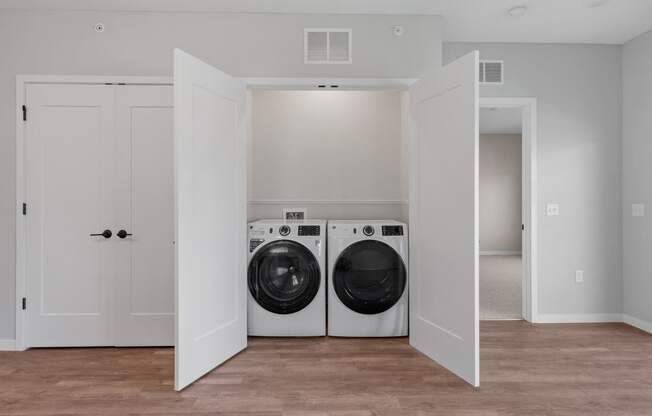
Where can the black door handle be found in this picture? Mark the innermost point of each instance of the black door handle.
(105, 234)
(123, 234)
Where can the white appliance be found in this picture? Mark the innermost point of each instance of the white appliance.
(368, 279)
(286, 278)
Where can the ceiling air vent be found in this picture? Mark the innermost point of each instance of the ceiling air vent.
(327, 46)
(491, 72)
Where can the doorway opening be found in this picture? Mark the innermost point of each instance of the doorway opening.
(507, 226)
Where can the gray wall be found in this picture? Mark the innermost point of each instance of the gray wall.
(500, 192)
(252, 45)
(579, 156)
(637, 176)
(336, 153)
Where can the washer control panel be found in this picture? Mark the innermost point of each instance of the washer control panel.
(368, 230)
(255, 242)
(392, 230)
(309, 230)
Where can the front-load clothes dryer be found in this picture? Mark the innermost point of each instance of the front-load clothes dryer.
(368, 279)
(286, 278)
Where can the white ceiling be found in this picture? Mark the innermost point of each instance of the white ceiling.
(566, 21)
(500, 121)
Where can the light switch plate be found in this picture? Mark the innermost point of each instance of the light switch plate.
(579, 276)
(638, 210)
(552, 210)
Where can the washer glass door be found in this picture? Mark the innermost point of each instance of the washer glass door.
(284, 277)
(369, 277)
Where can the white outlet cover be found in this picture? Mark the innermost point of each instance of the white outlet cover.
(638, 210)
(579, 276)
(552, 210)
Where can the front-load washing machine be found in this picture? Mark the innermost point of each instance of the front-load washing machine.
(368, 279)
(286, 278)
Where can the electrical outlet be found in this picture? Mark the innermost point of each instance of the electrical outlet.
(579, 276)
(552, 210)
(294, 213)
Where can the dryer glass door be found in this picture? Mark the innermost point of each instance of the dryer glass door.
(369, 277)
(284, 277)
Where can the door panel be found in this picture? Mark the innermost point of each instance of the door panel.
(210, 198)
(444, 320)
(68, 152)
(144, 285)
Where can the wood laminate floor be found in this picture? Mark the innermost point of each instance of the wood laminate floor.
(591, 369)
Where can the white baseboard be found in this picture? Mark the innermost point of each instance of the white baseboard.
(638, 323)
(578, 318)
(500, 253)
(7, 345)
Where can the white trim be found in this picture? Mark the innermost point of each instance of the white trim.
(578, 318)
(20, 343)
(342, 83)
(638, 323)
(530, 197)
(7, 345)
(500, 253)
(299, 202)
(91, 79)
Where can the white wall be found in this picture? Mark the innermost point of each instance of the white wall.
(500, 193)
(141, 44)
(336, 153)
(637, 176)
(579, 157)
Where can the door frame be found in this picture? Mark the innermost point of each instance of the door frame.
(529, 198)
(22, 81)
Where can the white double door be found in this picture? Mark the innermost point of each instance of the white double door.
(210, 171)
(99, 158)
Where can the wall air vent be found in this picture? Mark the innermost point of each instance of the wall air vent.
(327, 46)
(491, 72)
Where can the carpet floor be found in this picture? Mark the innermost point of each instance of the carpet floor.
(500, 287)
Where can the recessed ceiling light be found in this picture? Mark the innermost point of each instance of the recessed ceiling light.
(517, 11)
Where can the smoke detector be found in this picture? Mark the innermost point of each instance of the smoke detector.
(99, 27)
(517, 11)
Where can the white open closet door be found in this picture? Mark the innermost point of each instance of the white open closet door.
(210, 199)
(444, 320)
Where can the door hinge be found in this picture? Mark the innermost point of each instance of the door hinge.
(522, 227)
(24, 303)
(24, 113)
(24, 208)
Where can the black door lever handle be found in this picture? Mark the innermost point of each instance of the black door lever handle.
(105, 234)
(123, 234)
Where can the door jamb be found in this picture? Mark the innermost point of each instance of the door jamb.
(529, 203)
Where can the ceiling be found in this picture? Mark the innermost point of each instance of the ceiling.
(565, 21)
(500, 121)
